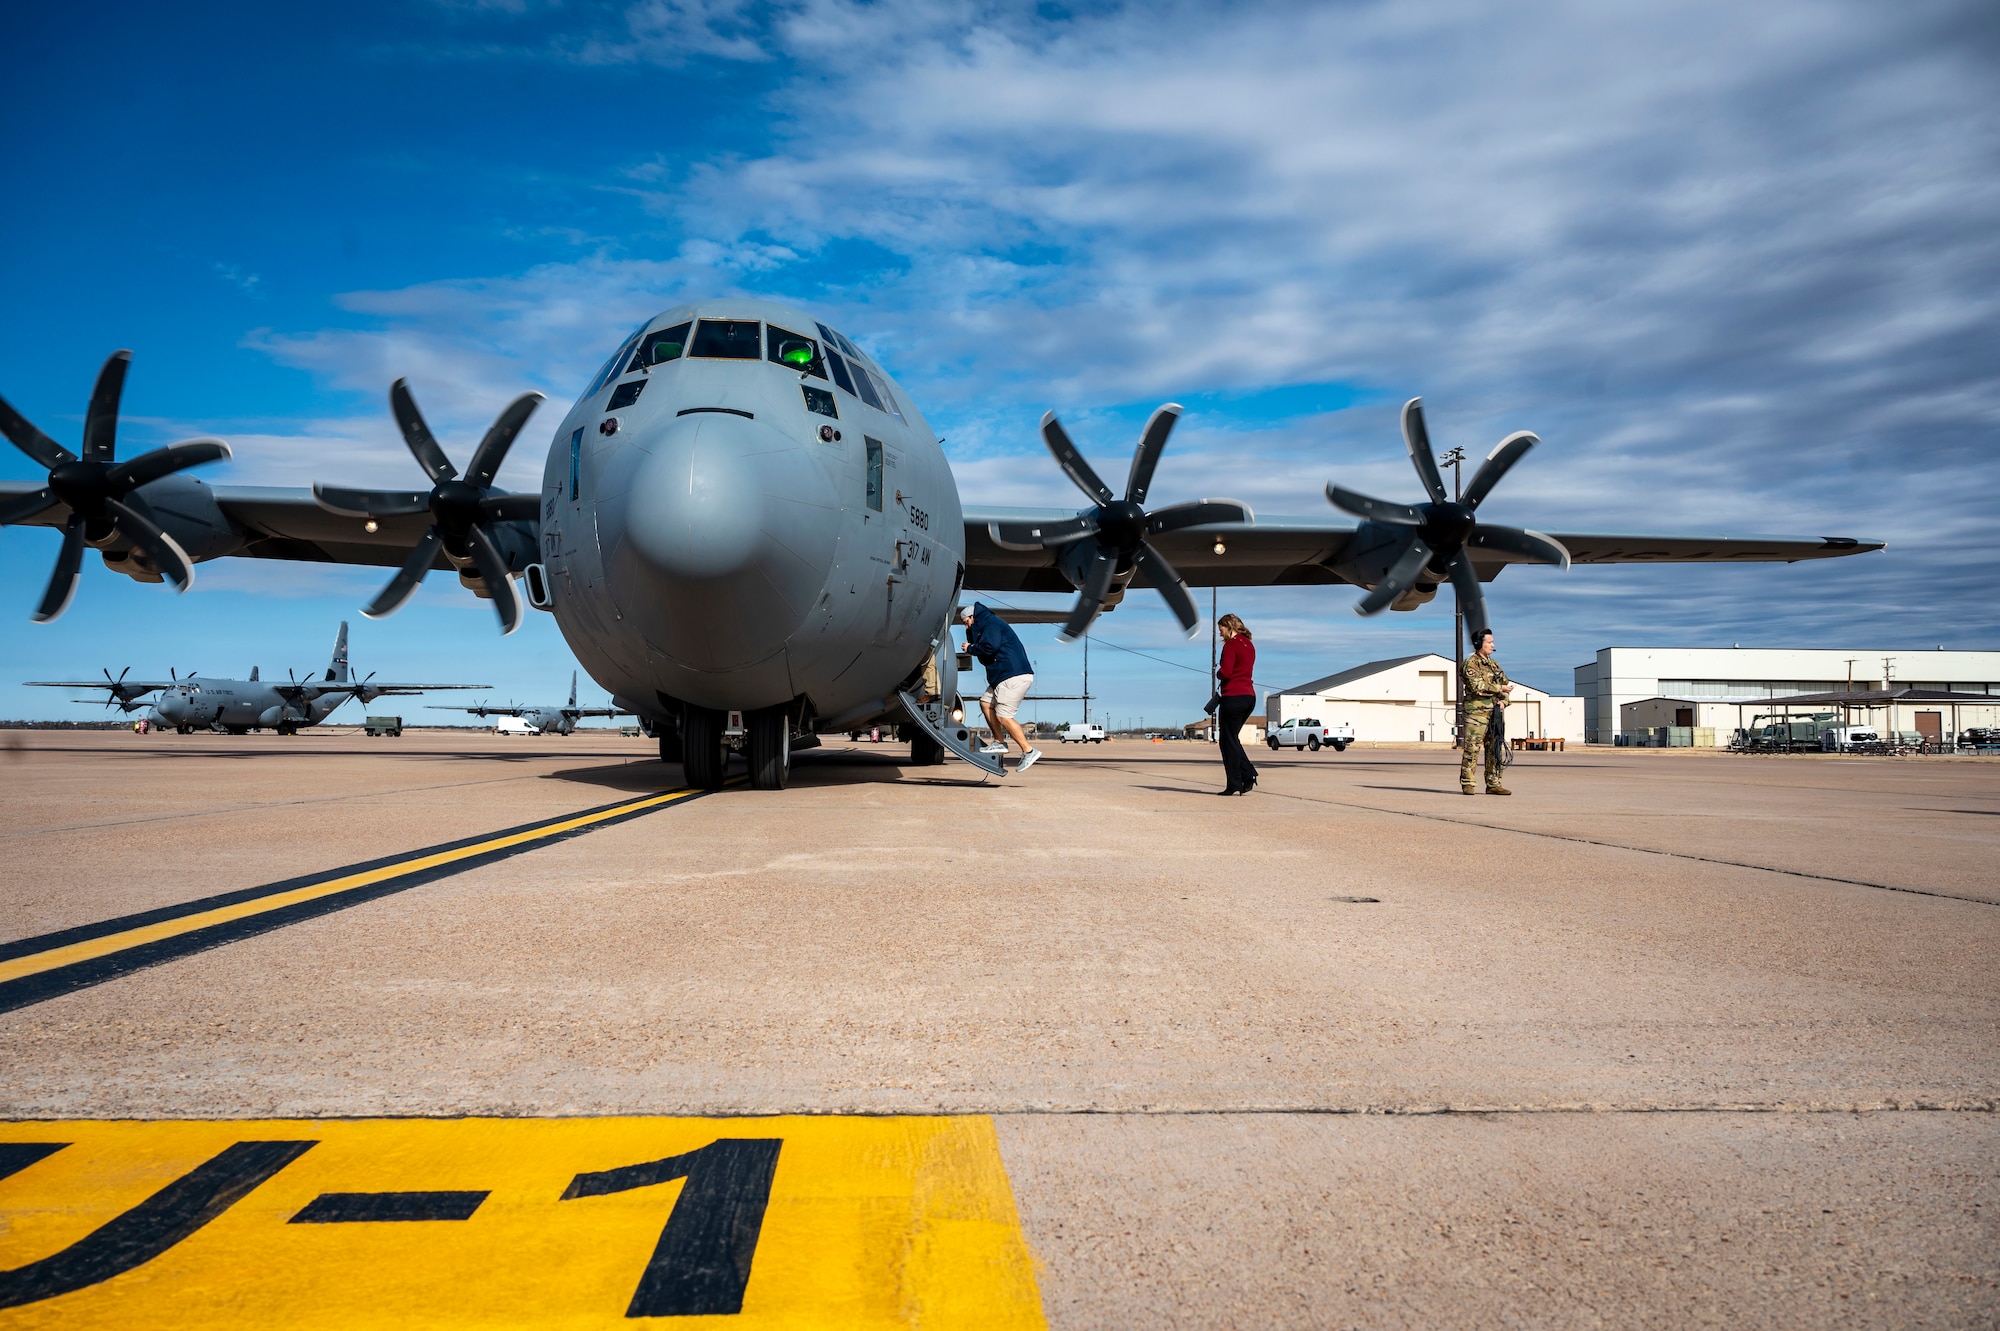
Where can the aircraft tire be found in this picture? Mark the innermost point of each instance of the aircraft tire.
(770, 748)
(703, 758)
(925, 751)
(670, 743)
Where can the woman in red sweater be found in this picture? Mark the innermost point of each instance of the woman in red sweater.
(1238, 693)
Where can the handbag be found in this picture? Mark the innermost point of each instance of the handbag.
(1214, 701)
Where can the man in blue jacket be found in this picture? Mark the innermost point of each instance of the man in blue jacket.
(1008, 675)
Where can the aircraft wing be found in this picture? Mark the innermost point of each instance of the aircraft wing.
(1307, 551)
(595, 711)
(483, 709)
(128, 689)
(271, 522)
(394, 690)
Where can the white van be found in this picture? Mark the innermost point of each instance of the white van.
(1076, 732)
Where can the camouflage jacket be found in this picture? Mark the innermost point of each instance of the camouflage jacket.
(1485, 682)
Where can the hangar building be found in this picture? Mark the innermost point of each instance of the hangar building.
(1637, 688)
(1414, 699)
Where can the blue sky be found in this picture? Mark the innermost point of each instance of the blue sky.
(1736, 264)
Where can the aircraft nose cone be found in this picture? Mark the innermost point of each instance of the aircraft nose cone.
(728, 535)
(697, 510)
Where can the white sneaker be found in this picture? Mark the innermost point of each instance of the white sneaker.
(996, 749)
(1028, 759)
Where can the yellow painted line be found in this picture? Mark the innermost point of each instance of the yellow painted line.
(91, 949)
(893, 1222)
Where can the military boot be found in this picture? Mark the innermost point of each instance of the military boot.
(1468, 788)
(1493, 790)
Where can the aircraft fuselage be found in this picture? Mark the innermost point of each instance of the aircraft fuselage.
(727, 528)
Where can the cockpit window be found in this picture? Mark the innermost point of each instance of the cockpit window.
(839, 368)
(660, 347)
(865, 387)
(611, 366)
(727, 339)
(888, 398)
(796, 352)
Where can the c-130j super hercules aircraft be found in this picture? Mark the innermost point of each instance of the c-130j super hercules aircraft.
(749, 535)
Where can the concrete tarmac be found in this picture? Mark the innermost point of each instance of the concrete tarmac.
(1665, 1038)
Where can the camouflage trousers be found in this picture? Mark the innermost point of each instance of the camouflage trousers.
(1478, 717)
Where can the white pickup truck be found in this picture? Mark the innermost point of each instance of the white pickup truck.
(1076, 732)
(1307, 733)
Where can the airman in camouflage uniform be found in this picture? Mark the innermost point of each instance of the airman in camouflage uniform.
(1486, 687)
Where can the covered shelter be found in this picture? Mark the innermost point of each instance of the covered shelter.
(1923, 708)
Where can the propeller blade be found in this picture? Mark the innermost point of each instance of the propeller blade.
(1400, 578)
(27, 506)
(1155, 572)
(511, 508)
(1372, 509)
(68, 570)
(1096, 582)
(1041, 535)
(418, 435)
(1418, 440)
(1197, 514)
(165, 461)
(1532, 546)
(1504, 455)
(492, 450)
(21, 433)
(371, 503)
(493, 571)
(1471, 600)
(161, 550)
(100, 422)
(1072, 461)
(404, 584)
(1147, 456)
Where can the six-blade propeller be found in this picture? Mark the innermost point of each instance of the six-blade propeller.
(460, 506)
(96, 489)
(1441, 531)
(1117, 529)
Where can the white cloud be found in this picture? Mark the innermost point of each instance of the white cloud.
(1736, 264)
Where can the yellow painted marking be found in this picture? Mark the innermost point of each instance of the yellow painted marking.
(872, 1223)
(92, 948)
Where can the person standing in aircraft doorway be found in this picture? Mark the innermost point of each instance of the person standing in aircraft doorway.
(1008, 675)
(1237, 694)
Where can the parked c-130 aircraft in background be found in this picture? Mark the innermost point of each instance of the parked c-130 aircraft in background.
(749, 535)
(535, 718)
(239, 706)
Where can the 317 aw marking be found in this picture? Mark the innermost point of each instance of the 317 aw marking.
(771, 1222)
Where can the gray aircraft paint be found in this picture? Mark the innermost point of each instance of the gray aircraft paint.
(732, 560)
(197, 701)
(547, 719)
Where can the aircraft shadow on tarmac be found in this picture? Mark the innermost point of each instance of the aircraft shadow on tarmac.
(1413, 790)
(651, 775)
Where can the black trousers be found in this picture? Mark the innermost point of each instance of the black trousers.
(1229, 720)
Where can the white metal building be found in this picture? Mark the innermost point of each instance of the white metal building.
(1414, 699)
(1629, 688)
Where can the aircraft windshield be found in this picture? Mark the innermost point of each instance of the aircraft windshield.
(727, 339)
(796, 352)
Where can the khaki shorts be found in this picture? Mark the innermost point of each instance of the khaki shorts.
(1007, 694)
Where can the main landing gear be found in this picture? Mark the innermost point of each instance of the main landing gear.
(704, 755)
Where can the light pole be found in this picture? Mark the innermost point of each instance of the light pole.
(1455, 459)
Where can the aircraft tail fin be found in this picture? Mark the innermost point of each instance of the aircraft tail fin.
(253, 674)
(572, 688)
(336, 670)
